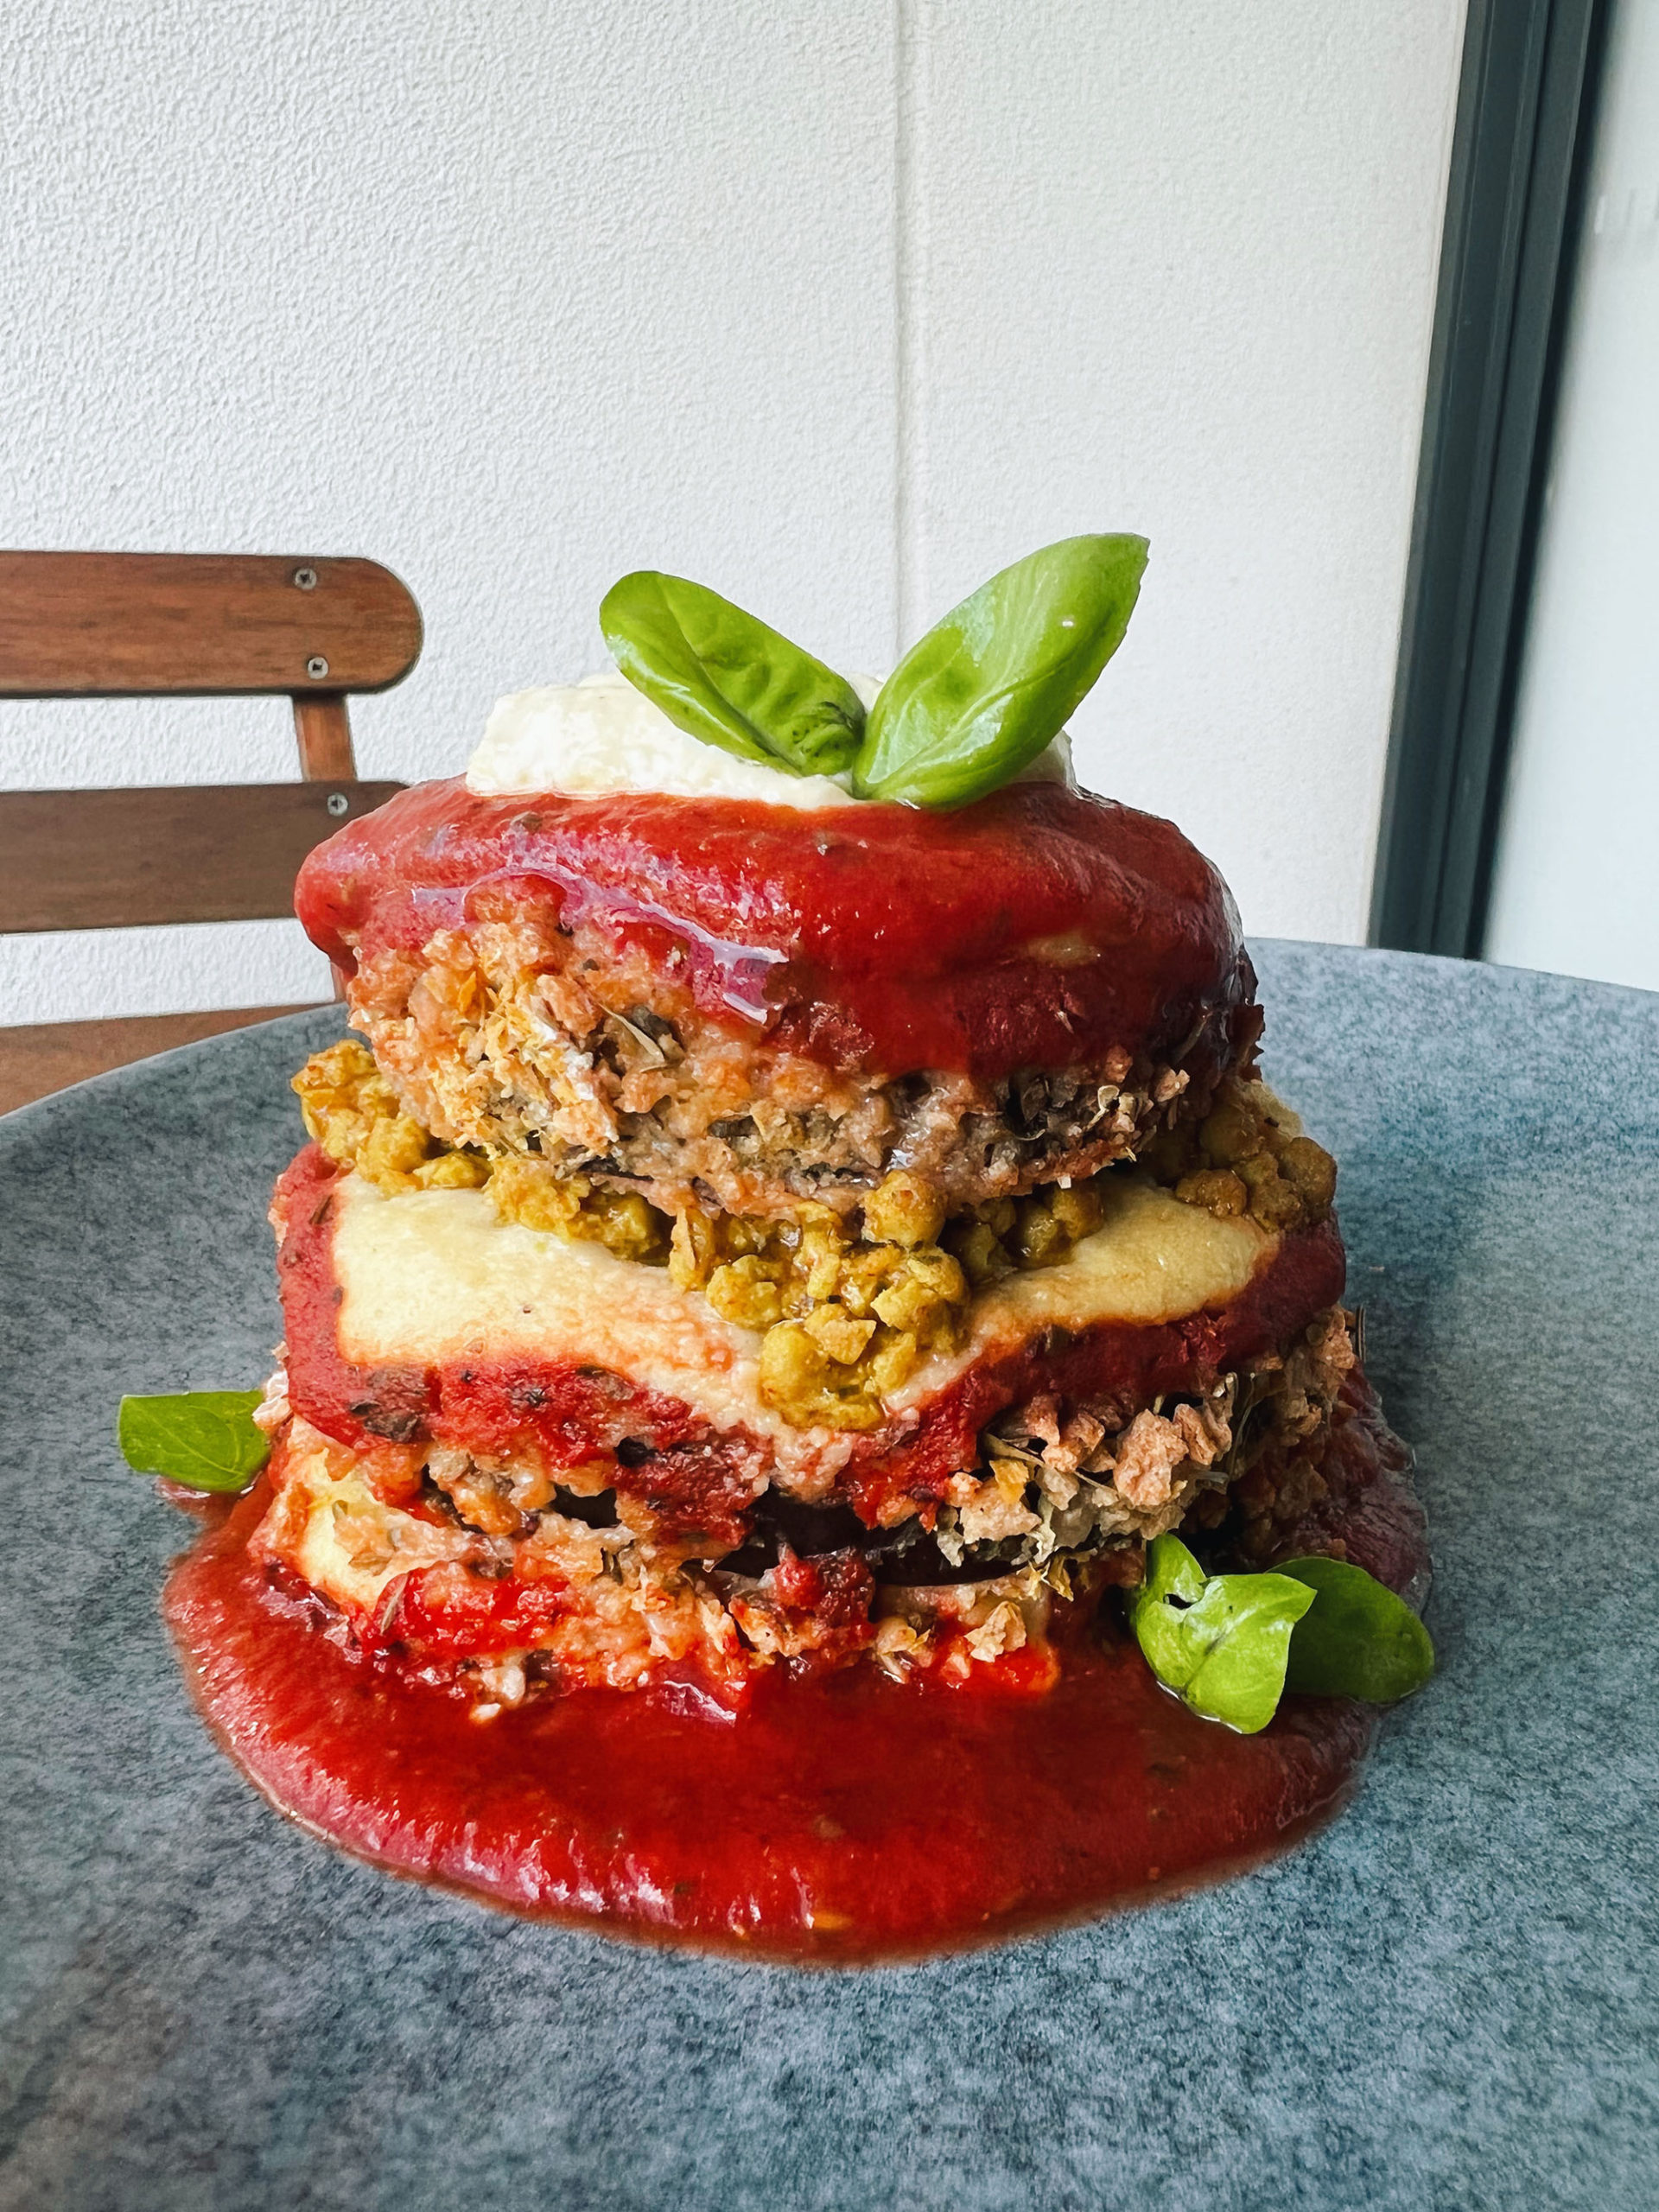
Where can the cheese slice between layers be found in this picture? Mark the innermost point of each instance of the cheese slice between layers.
(434, 1279)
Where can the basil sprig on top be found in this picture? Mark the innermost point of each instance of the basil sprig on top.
(206, 1439)
(979, 697)
(969, 705)
(721, 675)
(1231, 1644)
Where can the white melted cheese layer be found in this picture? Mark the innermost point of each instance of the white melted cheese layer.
(602, 737)
(432, 1278)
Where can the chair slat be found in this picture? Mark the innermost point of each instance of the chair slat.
(322, 731)
(120, 859)
(123, 624)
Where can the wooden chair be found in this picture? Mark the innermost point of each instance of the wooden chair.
(82, 625)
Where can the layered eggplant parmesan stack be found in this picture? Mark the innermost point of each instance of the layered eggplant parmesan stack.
(757, 1232)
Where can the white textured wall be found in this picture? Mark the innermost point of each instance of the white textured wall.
(837, 304)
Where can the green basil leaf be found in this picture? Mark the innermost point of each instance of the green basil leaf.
(1358, 1638)
(1171, 1572)
(977, 699)
(722, 675)
(205, 1438)
(1224, 1650)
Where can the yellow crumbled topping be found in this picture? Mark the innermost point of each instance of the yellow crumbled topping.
(531, 1192)
(353, 1113)
(847, 1305)
(1242, 1159)
(845, 1317)
(848, 1309)
(902, 1211)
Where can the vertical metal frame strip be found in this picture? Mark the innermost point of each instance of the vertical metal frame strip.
(1522, 133)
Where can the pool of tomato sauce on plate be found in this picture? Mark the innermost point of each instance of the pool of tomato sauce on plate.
(844, 1817)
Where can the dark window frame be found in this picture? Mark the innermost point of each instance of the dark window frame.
(1520, 156)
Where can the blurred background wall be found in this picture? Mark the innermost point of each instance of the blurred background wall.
(837, 305)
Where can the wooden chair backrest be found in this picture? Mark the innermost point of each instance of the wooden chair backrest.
(80, 626)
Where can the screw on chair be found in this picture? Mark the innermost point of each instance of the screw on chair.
(80, 626)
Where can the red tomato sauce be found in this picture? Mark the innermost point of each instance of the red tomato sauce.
(704, 1480)
(1035, 929)
(837, 1818)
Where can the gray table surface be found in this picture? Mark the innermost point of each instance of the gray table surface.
(1450, 1998)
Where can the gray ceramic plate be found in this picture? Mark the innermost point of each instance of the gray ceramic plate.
(1451, 1997)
